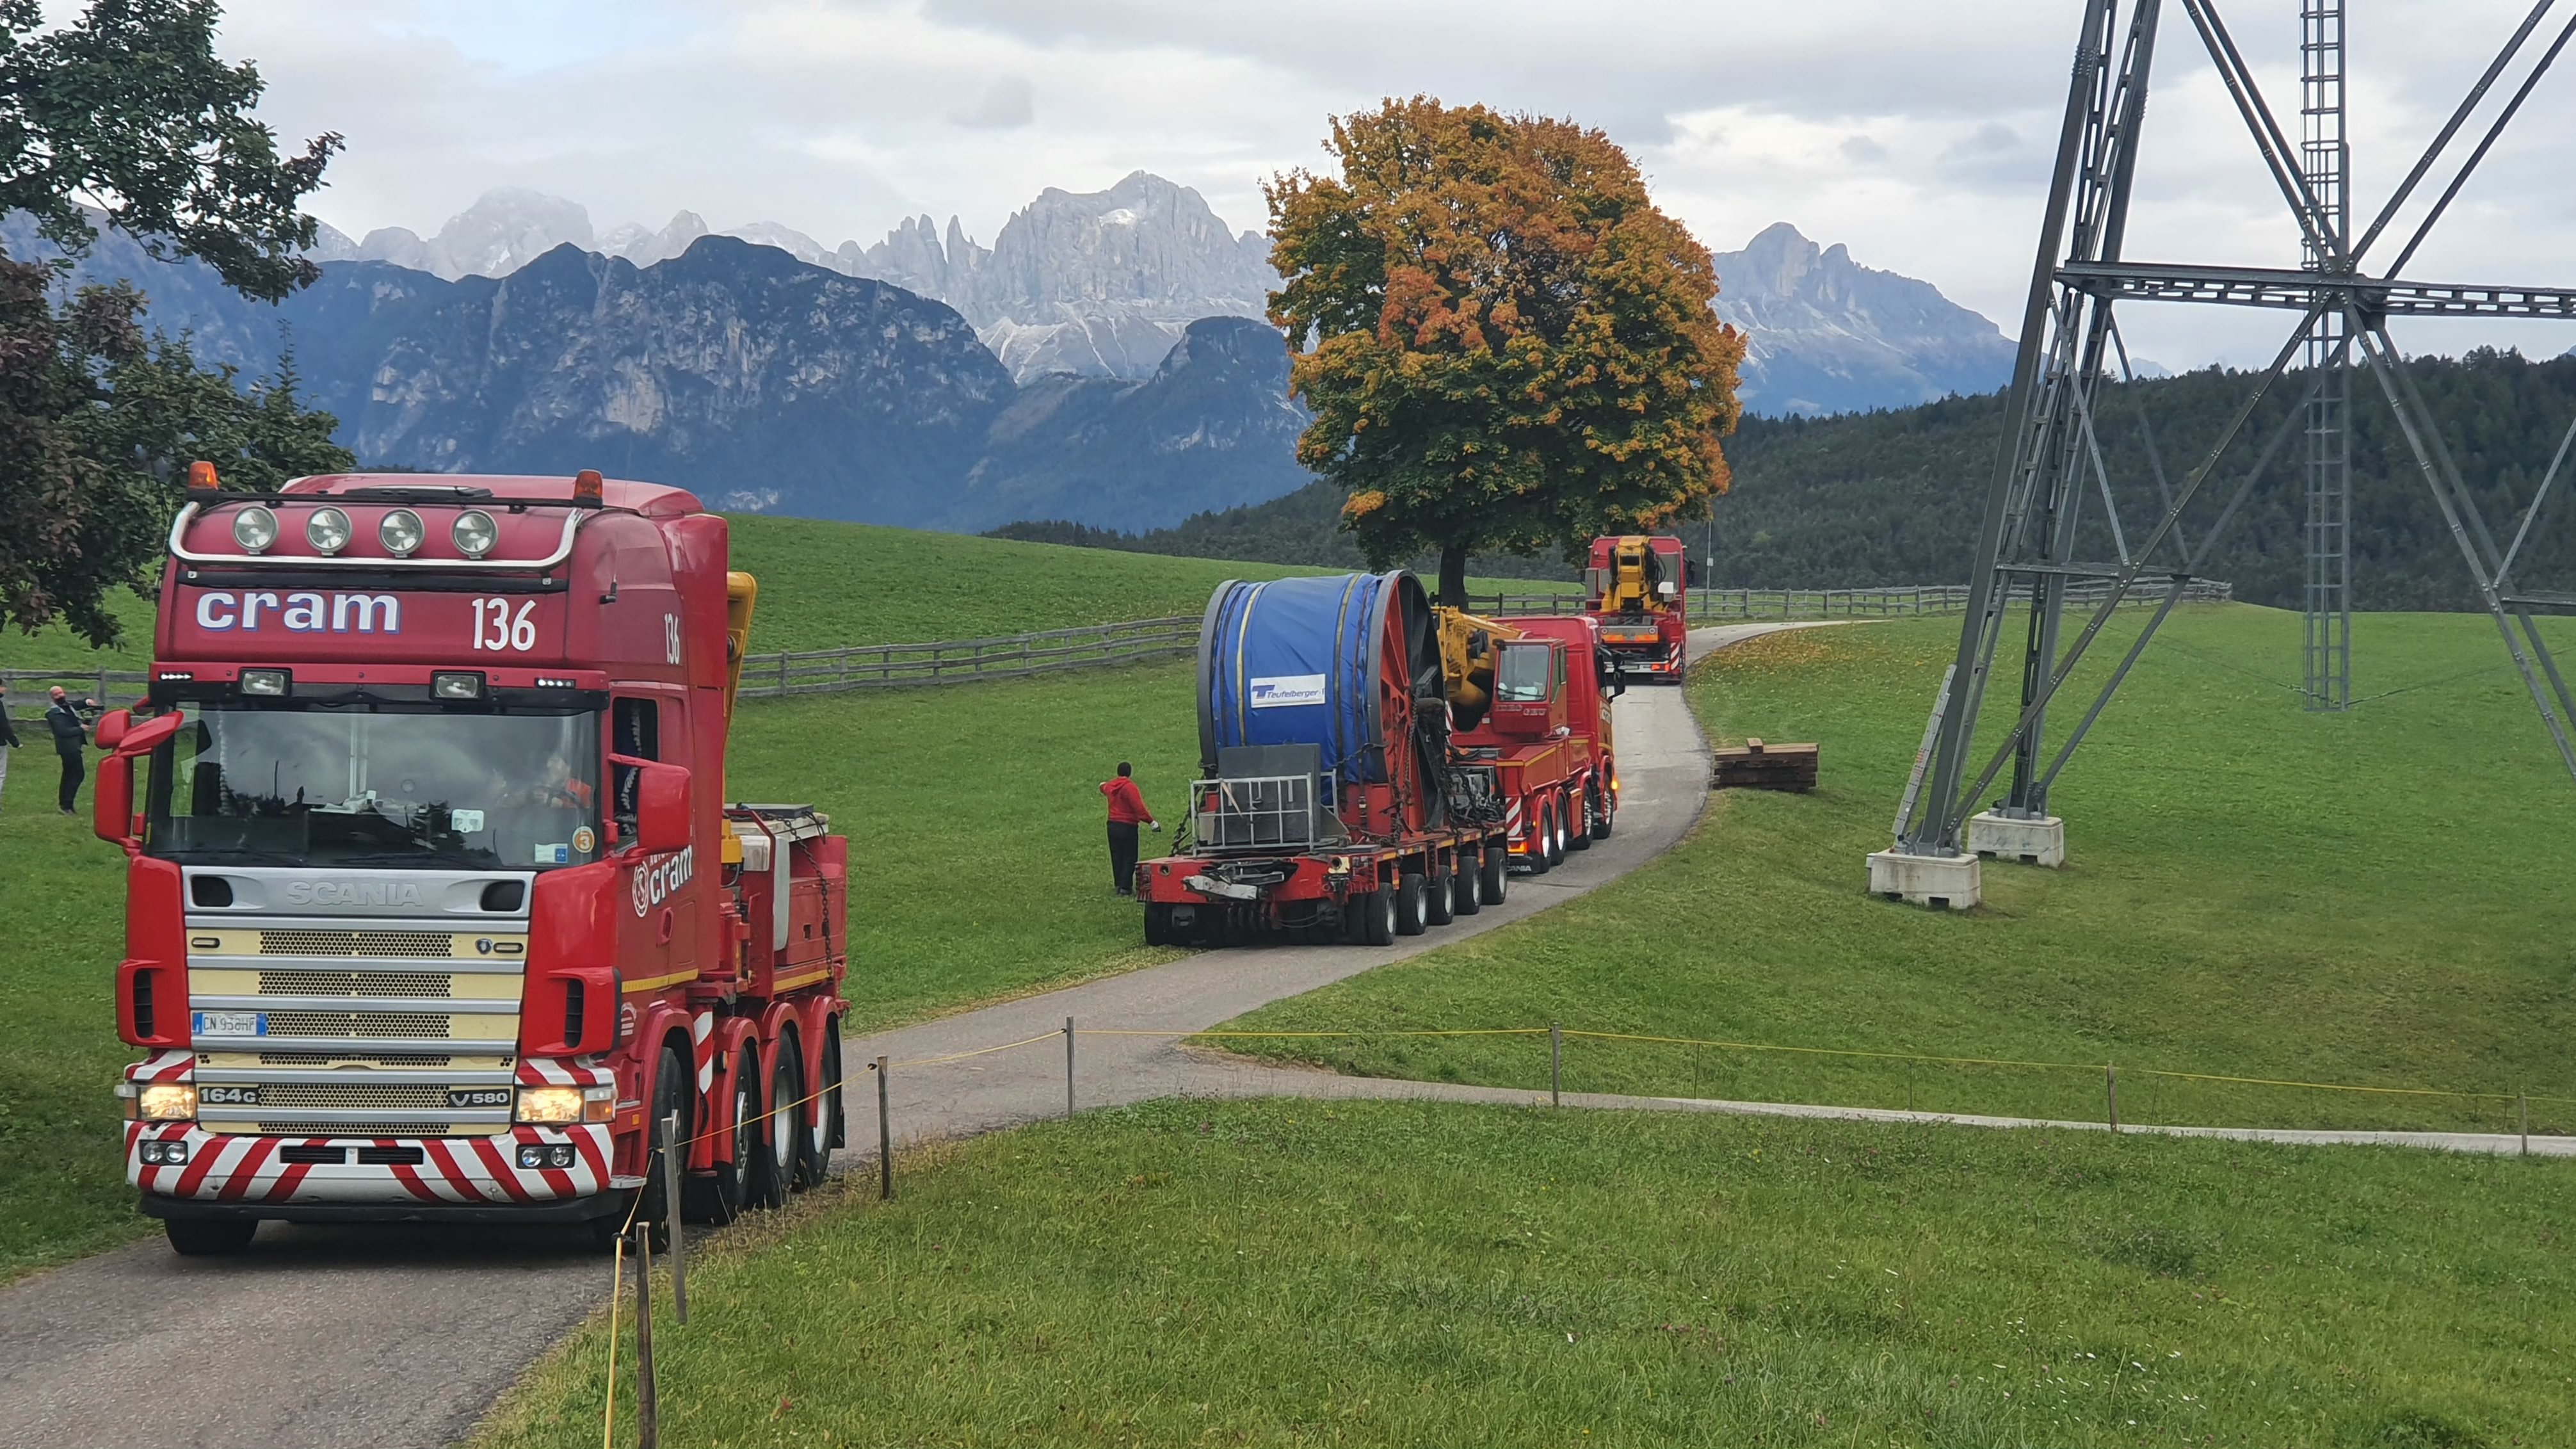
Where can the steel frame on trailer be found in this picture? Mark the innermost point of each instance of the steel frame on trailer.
(2071, 343)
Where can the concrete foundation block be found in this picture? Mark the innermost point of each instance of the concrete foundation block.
(2032, 842)
(1945, 882)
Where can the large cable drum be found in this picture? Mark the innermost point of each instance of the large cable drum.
(1349, 664)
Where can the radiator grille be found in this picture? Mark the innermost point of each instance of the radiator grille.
(355, 943)
(353, 1059)
(356, 983)
(352, 1097)
(383, 1025)
(284, 1128)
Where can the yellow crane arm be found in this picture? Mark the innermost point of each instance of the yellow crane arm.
(1470, 646)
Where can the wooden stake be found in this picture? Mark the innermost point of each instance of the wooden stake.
(1555, 1065)
(2111, 1092)
(885, 1139)
(671, 1204)
(648, 1402)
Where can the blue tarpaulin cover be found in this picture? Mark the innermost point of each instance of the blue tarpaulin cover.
(1297, 661)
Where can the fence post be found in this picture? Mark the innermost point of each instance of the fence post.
(1555, 1064)
(1068, 1067)
(885, 1139)
(648, 1402)
(782, 673)
(671, 1204)
(2522, 1100)
(2111, 1092)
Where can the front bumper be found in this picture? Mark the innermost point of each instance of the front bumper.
(412, 1173)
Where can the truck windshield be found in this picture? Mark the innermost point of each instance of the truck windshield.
(1523, 674)
(378, 785)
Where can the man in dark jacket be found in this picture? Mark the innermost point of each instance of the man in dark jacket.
(71, 734)
(1126, 810)
(8, 736)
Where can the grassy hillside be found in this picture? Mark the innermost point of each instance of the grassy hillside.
(1894, 497)
(1383, 1273)
(2375, 898)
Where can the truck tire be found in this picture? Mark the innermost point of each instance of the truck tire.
(1408, 905)
(674, 1094)
(1605, 808)
(1584, 816)
(1466, 884)
(1494, 881)
(814, 1139)
(1377, 917)
(773, 1166)
(1557, 832)
(209, 1237)
(1542, 831)
(1158, 925)
(721, 1197)
(1439, 892)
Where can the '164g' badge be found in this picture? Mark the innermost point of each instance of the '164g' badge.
(584, 840)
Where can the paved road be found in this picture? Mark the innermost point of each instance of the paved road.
(363, 1337)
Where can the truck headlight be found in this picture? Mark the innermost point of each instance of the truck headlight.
(254, 528)
(166, 1102)
(327, 530)
(474, 533)
(561, 1106)
(400, 532)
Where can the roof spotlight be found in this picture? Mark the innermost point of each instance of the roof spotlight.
(254, 528)
(474, 533)
(327, 530)
(400, 532)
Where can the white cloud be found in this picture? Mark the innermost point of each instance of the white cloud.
(1920, 134)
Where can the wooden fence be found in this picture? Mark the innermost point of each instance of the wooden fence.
(1013, 656)
(957, 661)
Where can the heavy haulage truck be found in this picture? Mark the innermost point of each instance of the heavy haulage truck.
(1636, 586)
(434, 908)
(1374, 766)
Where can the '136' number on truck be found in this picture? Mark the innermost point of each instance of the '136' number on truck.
(504, 631)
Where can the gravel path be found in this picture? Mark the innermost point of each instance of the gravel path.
(399, 1336)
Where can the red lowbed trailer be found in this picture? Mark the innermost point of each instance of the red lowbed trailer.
(434, 910)
(1636, 587)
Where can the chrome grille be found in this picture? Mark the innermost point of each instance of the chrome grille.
(355, 943)
(385, 1025)
(352, 1097)
(357, 983)
(355, 1059)
(282, 1128)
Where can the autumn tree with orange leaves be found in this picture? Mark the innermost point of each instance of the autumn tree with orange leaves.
(1505, 346)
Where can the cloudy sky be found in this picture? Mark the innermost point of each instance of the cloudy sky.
(1916, 131)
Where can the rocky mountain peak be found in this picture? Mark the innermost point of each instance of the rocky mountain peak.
(1826, 334)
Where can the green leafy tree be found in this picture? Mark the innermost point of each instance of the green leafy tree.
(1505, 345)
(126, 117)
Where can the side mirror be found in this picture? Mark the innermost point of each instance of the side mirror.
(662, 808)
(111, 728)
(112, 799)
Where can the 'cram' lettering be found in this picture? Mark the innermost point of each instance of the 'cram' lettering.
(221, 611)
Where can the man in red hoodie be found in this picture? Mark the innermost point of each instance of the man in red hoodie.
(1126, 811)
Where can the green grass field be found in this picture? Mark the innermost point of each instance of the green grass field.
(1408, 1273)
(2376, 898)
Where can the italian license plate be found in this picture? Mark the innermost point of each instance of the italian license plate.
(232, 1023)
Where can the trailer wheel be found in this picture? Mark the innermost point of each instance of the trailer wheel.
(720, 1198)
(814, 1139)
(774, 1165)
(1495, 880)
(1377, 917)
(1408, 905)
(1466, 884)
(1440, 892)
(1580, 838)
(1158, 924)
(209, 1237)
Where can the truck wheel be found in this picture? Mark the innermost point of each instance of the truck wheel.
(814, 1139)
(1495, 880)
(1377, 917)
(721, 1198)
(773, 1166)
(209, 1237)
(1439, 893)
(1408, 905)
(1556, 813)
(1542, 830)
(674, 1093)
(1158, 925)
(1584, 815)
(1603, 808)
(1466, 884)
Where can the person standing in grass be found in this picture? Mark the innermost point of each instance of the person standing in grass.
(8, 736)
(71, 735)
(1126, 811)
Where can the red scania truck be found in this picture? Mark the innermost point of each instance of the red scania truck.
(1636, 586)
(434, 908)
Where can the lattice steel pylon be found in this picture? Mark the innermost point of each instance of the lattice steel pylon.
(2325, 162)
(2070, 343)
